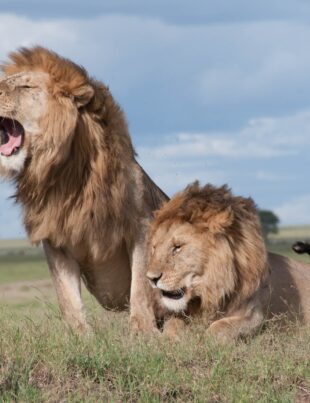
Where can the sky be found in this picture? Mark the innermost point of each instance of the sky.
(218, 92)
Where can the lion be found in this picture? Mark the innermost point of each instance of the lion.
(207, 256)
(65, 144)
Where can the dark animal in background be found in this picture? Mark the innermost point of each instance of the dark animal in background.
(301, 247)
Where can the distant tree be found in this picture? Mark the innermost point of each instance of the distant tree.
(269, 221)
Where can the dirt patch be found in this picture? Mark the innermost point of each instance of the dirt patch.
(21, 291)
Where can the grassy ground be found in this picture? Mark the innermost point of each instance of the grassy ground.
(282, 241)
(283, 249)
(300, 233)
(41, 360)
(19, 268)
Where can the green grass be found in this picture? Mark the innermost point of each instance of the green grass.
(22, 269)
(282, 241)
(42, 360)
(286, 250)
(21, 262)
(296, 233)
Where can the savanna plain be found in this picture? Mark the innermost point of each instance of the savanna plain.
(42, 360)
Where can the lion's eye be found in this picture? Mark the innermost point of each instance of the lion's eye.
(176, 248)
(25, 86)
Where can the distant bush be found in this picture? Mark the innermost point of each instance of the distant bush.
(270, 222)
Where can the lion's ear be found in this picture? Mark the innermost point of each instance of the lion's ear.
(218, 222)
(82, 95)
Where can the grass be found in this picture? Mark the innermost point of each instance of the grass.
(22, 269)
(42, 360)
(14, 244)
(282, 241)
(285, 250)
(21, 262)
(300, 233)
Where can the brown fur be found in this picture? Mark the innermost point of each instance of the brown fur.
(210, 244)
(82, 173)
(81, 189)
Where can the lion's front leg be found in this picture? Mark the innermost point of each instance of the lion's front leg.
(243, 322)
(174, 328)
(66, 277)
(142, 316)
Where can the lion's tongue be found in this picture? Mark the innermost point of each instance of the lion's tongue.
(8, 148)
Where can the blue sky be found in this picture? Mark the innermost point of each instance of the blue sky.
(218, 92)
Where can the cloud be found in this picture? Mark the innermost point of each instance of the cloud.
(266, 176)
(259, 138)
(178, 77)
(233, 145)
(173, 175)
(263, 159)
(295, 211)
(203, 12)
(257, 64)
(16, 31)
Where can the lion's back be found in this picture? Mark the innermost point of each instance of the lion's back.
(290, 281)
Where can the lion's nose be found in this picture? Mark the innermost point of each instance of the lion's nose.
(154, 279)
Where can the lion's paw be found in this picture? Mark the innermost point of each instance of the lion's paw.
(140, 325)
(173, 329)
(221, 331)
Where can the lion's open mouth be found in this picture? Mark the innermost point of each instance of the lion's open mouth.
(177, 294)
(11, 136)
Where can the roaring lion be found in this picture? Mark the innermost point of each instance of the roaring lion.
(65, 143)
(207, 256)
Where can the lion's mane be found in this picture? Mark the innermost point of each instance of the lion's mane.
(76, 187)
(217, 212)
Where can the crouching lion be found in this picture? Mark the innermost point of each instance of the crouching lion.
(207, 256)
(65, 144)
